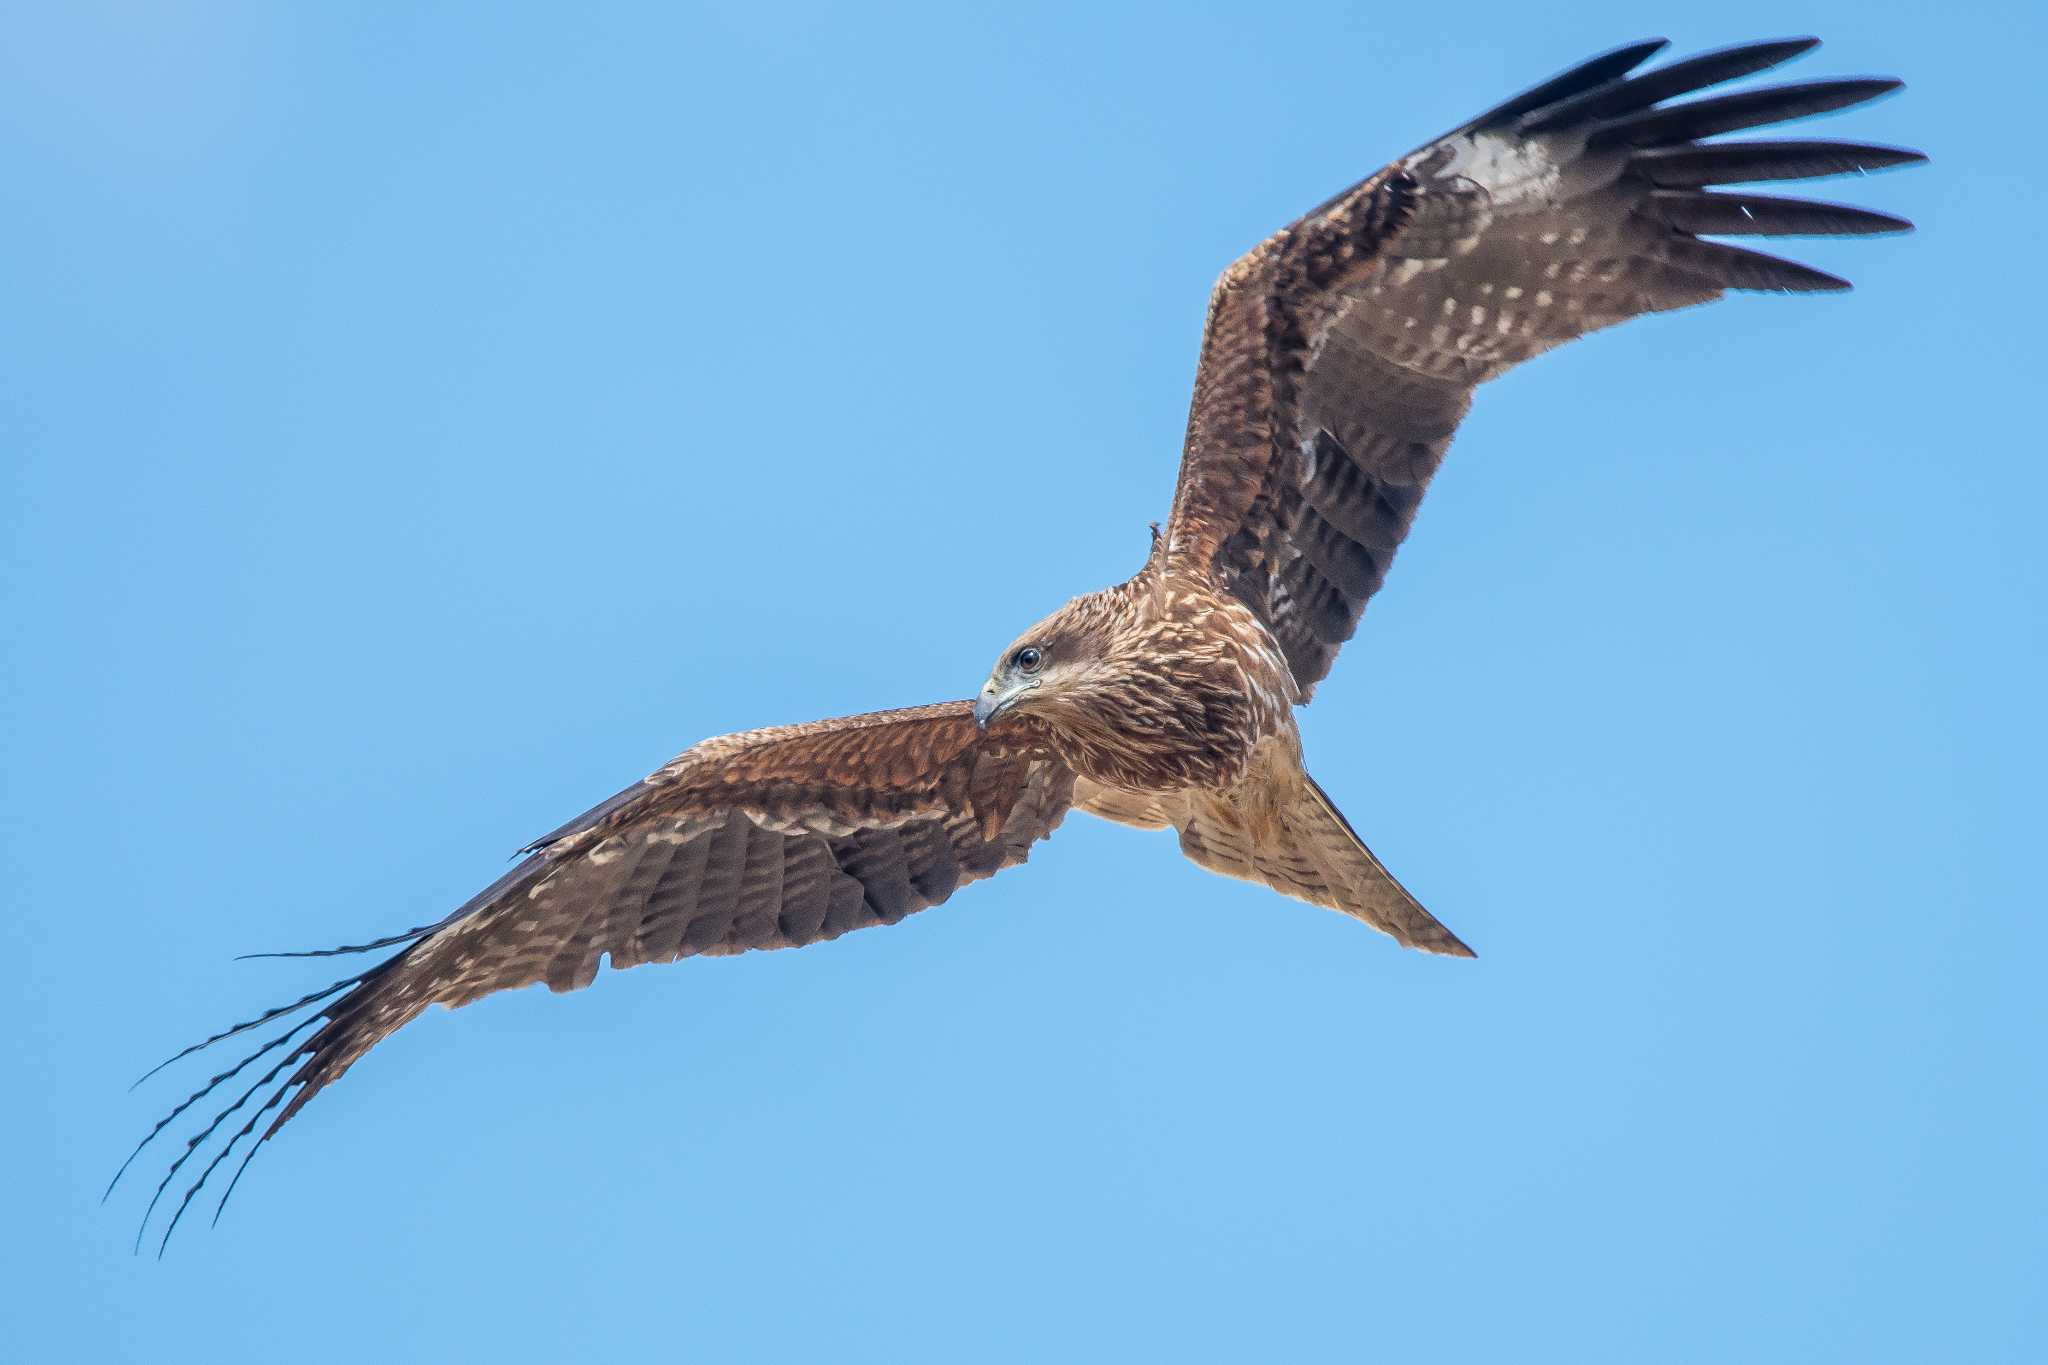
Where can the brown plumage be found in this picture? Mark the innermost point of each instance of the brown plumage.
(1338, 359)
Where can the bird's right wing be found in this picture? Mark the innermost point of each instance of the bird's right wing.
(767, 839)
(1341, 354)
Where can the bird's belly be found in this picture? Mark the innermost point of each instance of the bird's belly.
(1213, 688)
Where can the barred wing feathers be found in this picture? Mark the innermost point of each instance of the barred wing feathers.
(1341, 354)
(768, 839)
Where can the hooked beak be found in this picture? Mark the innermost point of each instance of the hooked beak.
(997, 698)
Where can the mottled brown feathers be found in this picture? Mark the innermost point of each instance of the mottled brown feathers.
(1342, 353)
(767, 839)
(1158, 683)
(1337, 361)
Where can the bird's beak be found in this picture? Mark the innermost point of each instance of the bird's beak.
(997, 698)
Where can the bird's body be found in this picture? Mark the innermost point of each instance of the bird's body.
(1184, 685)
(1337, 360)
(1172, 703)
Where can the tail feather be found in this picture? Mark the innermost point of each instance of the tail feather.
(1309, 851)
(1375, 896)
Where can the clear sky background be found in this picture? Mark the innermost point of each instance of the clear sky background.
(416, 423)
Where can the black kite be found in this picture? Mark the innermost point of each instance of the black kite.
(1338, 359)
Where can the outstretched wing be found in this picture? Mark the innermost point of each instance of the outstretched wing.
(768, 839)
(1341, 354)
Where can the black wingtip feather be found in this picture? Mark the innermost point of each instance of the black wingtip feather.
(297, 1045)
(1707, 213)
(201, 1093)
(1739, 163)
(1743, 109)
(1595, 71)
(1639, 92)
(192, 1190)
(199, 1140)
(259, 1021)
(1734, 267)
(276, 1097)
(388, 941)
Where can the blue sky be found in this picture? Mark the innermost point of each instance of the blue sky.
(421, 422)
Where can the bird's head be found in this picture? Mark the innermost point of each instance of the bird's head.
(1050, 667)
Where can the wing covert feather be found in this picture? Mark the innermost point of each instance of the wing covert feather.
(1340, 355)
(767, 839)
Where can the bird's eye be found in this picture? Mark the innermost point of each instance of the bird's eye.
(1029, 659)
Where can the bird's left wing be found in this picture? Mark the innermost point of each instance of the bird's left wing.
(1341, 354)
(767, 839)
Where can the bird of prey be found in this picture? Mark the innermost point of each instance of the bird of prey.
(1338, 357)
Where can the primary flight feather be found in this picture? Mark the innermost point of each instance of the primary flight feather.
(1339, 357)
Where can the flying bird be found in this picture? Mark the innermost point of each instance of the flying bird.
(1338, 358)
